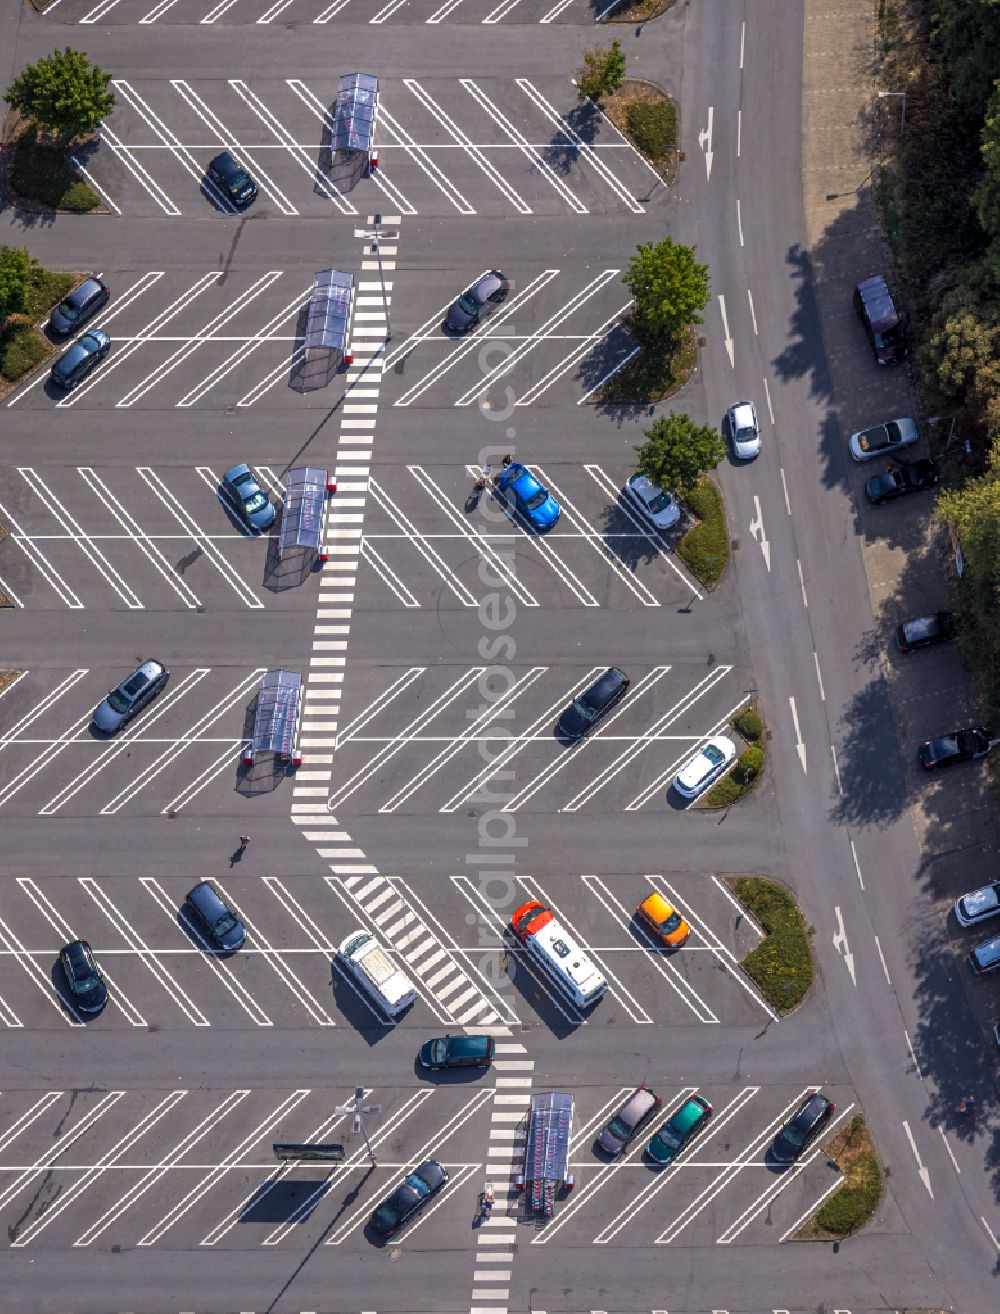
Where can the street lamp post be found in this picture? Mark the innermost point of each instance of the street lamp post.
(356, 1107)
(940, 419)
(375, 234)
(885, 95)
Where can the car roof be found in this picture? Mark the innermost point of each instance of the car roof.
(688, 1114)
(743, 413)
(86, 290)
(922, 627)
(878, 303)
(815, 1105)
(206, 899)
(658, 908)
(524, 481)
(72, 356)
(468, 1046)
(638, 1103)
(607, 683)
(488, 284)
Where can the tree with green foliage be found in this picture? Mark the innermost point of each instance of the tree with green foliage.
(962, 354)
(677, 452)
(973, 512)
(603, 71)
(63, 92)
(15, 274)
(967, 32)
(669, 287)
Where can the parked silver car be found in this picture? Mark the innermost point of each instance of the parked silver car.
(130, 697)
(640, 1107)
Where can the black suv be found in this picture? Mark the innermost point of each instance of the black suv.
(205, 904)
(803, 1129)
(886, 333)
(925, 631)
(959, 746)
(480, 300)
(83, 976)
(82, 302)
(900, 479)
(585, 711)
(232, 180)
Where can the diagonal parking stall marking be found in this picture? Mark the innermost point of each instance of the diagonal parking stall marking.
(75, 532)
(53, 749)
(667, 775)
(243, 351)
(469, 790)
(66, 934)
(387, 11)
(662, 1179)
(145, 955)
(183, 742)
(615, 768)
(229, 141)
(571, 358)
(42, 706)
(177, 148)
(138, 535)
(210, 955)
(229, 756)
(277, 964)
(423, 334)
(531, 153)
(553, 768)
(430, 555)
(485, 331)
(199, 288)
(531, 342)
(215, 1174)
(313, 103)
(142, 175)
(331, 11)
(205, 333)
(97, 1170)
(461, 1176)
(28, 1117)
(774, 1189)
(16, 950)
(728, 1173)
(596, 541)
(601, 1116)
(471, 1107)
(127, 741)
(505, 572)
(555, 11)
(297, 152)
(198, 535)
(217, 11)
(158, 10)
(40, 561)
(442, 11)
(542, 545)
(424, 161)
(269, 15)
(722, 953)
(399, 741)
(664, 965)
(98, 12)
(603, 481)
(380, 702)
(501, 11)
(387, 575)
(601, 1173)
(490, 713)
(616, 987)
(159, 1170)
(586, 151)
(275, 376)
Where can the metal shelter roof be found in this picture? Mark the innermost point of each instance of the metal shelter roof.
(277, 712)
(305, 502)
(328, 316)
(354, 112)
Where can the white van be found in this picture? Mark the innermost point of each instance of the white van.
(557, 954)
(374, 970)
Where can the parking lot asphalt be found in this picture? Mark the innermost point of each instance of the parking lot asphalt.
(439, 643)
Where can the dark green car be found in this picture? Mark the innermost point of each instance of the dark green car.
(457, 1052)
(675, 1134)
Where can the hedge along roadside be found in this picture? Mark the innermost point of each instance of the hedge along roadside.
(782, 964)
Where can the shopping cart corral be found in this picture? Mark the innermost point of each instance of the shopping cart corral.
(276, 721)
(546, 1153)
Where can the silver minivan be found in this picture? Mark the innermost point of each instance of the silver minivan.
(640, 1107)
(986, 956)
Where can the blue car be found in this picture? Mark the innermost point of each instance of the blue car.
(535, 503)
(248, 497)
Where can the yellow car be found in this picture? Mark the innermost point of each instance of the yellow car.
(664, 920)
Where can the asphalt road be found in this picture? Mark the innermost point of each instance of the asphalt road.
(135, 1163)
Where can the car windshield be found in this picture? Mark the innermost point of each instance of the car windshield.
(225, 924)
(795, 1133)
(745, 431)
(69, 311)
(536, 500)
(713, 754)
(661, 502)
(468, 303)
(117, 701)
(890, 337)
(439, 1051)
(90, 342)
(581, 708)
(670, 1136)
(239, 181)
(873, 440)
(672, 923)
(255, 502)
(619, 1128)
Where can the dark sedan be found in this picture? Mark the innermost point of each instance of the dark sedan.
(803, 1129)
(232, 180)
(961, 746)
(585, 711)
(248, 497)
(82, 302)
(78, 360)
(900, 479)
(480, 300)
(215, 917)
(83, 976)
(410, 1195)
(925, 631)
(457, 1052)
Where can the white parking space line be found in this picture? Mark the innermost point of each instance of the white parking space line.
(39, 978)
(572, 357)
(92, 181)
(185, 741)
(555, 11)
(501, 11)
(557, 764)
(387, 11)
(387, 575)
(38, 1109)
(142, 176)
(39, 560)
(160, 1228)
(94, 1173)
(424, 161)
(657, 955)
(228, 758)
(49, 753)
(331, 11)
(217, 11)
(98, 12)
(665, 777)
(210, 956)
(507, 364)
(139, 537)
(603, 481)
(76, 533)
(158, 10)
(422, 333)
(379, 703)
(443, 11)
(587, 1130)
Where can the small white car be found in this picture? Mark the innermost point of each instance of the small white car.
(883, 439)
(979, 906)
(656, 504)
(744, 431)
(711, 761)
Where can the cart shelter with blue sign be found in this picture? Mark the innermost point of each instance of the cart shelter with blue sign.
(355, 116)
(303, 515)
(276, 720)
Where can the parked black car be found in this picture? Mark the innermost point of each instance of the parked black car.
(232, 180)
(878, 314)
(411, 1194)
(83, 976)
(925, 631)
(901, 478)
(803, 1129)
(480, 300)
(78, 360)
(960, 746)
(82, 302)
(215, 917)
(457, 1052)
(585, 711)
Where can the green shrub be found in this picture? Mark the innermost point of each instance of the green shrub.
(79, 198)
(750, 763)
(22, 348)
(853, 1205)
(782, 964)
(41, 172)
(660, 368)
(749, 724)
(705, 549)
(725, 792)
(653, 127)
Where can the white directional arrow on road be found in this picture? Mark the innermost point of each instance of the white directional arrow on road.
(725, 325)
(705, 141)
(800, 747)
(922, 1172)
(757, 531)
(841, 939)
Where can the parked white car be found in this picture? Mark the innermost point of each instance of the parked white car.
(883, 439)
(710, 762)
(979, 906)
(744, 431)
(656, 504)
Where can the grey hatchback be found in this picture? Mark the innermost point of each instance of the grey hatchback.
(232, 180)
(215, 917)
(481, 299)
(630, 1119)
(78, 360)
(130, 697)
(82, 302)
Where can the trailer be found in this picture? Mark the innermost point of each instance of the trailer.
(546, 1152)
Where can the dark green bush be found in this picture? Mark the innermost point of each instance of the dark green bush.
(653, 127)
(79, 198)
(705, 549)
(749, 724)
(21, 350)
(41, 172)
(750, 763)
